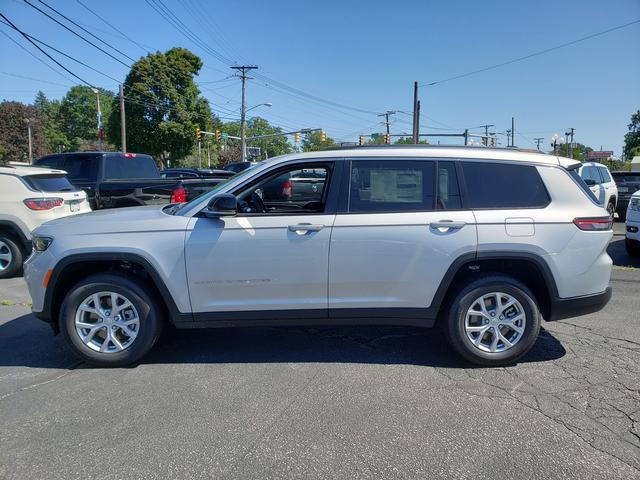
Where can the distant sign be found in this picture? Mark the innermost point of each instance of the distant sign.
(600, 154)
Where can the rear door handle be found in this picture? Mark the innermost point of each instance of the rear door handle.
(448, 224)
(302, 228)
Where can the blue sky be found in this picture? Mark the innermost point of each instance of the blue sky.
(366, 54)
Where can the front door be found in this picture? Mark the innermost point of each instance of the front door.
(272, 256)
(396, 235)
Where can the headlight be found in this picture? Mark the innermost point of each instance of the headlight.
(634, 204)
(40, 244)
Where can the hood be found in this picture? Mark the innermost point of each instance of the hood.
(114, 220)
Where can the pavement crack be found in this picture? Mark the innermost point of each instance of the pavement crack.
(70, 369)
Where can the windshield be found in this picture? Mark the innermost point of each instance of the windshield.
(245, 173)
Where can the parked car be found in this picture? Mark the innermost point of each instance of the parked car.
(30, 196)
(238, 167)
(485, 242)
(114, 179)
(628, 183)
(195, 173)
(599, 180)
(632, 226)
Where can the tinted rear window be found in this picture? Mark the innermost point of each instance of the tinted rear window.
(50, 183)
(503, 185)
(120, 167)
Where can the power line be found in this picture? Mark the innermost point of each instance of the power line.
(534, 54)
(75, 33)
(45, 53)
(34, 79)
(113, 27)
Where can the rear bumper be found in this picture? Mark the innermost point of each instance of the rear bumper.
(576, 306)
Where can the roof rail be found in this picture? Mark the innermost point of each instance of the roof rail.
(422, 145)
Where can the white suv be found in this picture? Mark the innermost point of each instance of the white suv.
(486, 242)
(632, 234)
(598, 177)
(30, 196)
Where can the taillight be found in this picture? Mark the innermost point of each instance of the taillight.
(179, 195)
(43, 203)
(594, 224)
(287, 189)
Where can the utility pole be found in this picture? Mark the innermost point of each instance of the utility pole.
(508, 137)
(538, 141)
(418, 123)
(199, 153)
(28, 122)
(570, 142)
(209, 153)
(98, 117)
(386, 116)
(416, 113)
(243, 108)
(513, 132)
(466, 136)
(123, 127)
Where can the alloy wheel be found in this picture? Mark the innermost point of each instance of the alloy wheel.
(6, 257)
(495, 322)
(107, 322)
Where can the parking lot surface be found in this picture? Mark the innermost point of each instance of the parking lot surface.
(351, 402)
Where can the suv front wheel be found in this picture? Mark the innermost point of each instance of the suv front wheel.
(494, 321)
(110, 320)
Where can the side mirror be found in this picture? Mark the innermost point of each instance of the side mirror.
(590, 182)
(221, 205)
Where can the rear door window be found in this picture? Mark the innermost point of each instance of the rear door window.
(606, 178)
(391, 186)
(50, 162)
(81, 167)
(504, 186)
(448, 189)
(591, 173)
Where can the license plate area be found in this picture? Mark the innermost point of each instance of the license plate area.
(74, 205)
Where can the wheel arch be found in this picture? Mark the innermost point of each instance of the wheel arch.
(16, 231)
(528, 268)
(73, 268)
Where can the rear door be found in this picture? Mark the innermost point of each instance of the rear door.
(82, 171)
(400, 226)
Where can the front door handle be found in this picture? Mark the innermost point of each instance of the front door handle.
(447, 224)
(303, 228)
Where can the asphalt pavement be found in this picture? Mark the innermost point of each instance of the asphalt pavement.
(383, 402)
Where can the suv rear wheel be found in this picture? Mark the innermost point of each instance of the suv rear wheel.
(110, 320)
(493, 321)
(10, 255)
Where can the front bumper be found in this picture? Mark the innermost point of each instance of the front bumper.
(576, 306)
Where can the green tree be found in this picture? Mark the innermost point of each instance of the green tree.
(312, 143)
(269, 147)
(580, 151)
(164, 106)
(77, 114)
(13, 131)
(50, 111)
(409, 141)
(632, 137)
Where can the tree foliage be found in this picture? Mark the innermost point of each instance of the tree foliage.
(164, 106)
(77, 114)
(632, 137)
(580, 151)
(53, 132)
(13, 131)
(311, 142)
(269, 147)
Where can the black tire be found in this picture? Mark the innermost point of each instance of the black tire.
(632, 247)
(611, 208)
(11, 245)
(455, 325)
(144, 301)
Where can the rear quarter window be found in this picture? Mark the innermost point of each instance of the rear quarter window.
(504, 186)
(121, 167)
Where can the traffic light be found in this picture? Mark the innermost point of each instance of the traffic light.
(198, 133)
(361, 140)
(218, 135)
(387, 138)
(484, 140)
(296, 137)
(493, 141)
(323, 136)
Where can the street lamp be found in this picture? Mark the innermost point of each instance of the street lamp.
(556, 140)
(243, 127)
(98, 117)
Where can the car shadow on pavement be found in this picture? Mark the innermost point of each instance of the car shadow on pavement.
(27, 342)
(619, 255)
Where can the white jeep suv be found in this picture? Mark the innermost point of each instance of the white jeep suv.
(599, 180)
(485, 242)
(30, 196)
